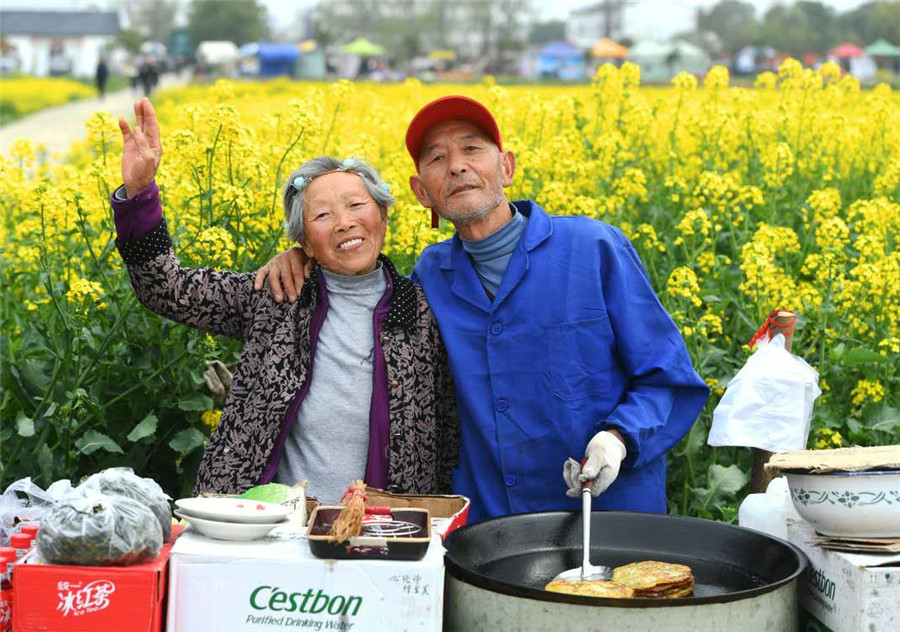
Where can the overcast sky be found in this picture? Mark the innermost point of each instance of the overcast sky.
(655, 19)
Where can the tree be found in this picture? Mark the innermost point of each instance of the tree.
(806, 27)
(130, 40)
(238, 21)
(154, 18)
(546, 32)
(733, 22)
(871, 21)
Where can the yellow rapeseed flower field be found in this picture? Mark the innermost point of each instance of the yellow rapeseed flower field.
(23, 95)
(739, 201)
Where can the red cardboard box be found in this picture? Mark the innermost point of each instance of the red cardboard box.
(50, 597)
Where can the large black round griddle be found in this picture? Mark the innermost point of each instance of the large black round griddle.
(517, 555)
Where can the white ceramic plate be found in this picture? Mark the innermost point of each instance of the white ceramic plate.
(233, 510)
(235, 531)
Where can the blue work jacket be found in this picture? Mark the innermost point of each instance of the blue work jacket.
(574, 342)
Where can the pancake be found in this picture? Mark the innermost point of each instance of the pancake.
(656, 580)
(590, 588)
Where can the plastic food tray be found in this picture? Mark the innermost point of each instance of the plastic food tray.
(411, 546)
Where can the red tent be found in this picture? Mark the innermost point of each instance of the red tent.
(847, 50)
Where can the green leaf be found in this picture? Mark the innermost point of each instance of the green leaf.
(186, 441)
(861, 355)
(45, 463)
(883, 417)
(725, 481)
(25, 425)
(147, 428)
(50, 409)
(195, 401)
(91, 441)
(36, 375)
(694, 441)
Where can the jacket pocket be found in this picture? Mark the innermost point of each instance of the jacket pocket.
(579, 358)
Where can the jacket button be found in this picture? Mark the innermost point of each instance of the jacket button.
(502, 405)
(496, 329)
(510, 480)
(394, 383)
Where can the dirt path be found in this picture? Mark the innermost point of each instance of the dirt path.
(57, 128)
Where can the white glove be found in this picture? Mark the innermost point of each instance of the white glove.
(604, 454)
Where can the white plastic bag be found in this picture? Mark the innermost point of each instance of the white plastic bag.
(22, 501)
(768, 404)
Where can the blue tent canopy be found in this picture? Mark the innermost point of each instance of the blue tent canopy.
(278, 53)
(559, 50)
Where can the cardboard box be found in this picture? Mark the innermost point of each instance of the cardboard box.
(277, 584)
(91, 598)
(448, 513)
(847, 592)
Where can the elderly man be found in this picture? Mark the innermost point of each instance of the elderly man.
(558, 345)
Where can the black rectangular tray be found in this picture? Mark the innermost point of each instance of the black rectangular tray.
(407, 547)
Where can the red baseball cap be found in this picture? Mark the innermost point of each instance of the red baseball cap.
(445, 109)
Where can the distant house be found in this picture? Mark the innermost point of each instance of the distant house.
(588, 24)
(51, 43)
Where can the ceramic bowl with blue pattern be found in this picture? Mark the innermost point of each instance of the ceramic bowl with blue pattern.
(851, 504)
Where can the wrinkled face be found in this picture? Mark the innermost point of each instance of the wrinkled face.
(461, 172)
(343, 227)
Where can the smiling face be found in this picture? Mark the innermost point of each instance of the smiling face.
(343, 227)
(462, 172)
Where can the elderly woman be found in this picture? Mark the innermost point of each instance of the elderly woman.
(351, 381)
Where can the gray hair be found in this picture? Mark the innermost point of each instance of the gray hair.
(295, 200)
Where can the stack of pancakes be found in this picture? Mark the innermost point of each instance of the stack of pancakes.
(650, 579)
(656, 580)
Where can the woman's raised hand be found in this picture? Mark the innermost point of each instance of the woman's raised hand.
(143, 148)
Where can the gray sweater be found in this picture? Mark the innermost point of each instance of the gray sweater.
(329, 442)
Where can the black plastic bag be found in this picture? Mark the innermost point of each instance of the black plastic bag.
(122, 481)
(92, 529)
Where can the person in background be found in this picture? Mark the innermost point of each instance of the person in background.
(101, 76)
(379, 405)
(557, 342)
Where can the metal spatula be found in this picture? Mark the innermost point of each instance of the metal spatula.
(586, 570)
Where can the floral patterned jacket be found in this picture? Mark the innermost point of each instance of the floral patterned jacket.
(423, 440)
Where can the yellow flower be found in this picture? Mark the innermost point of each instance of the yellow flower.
(211, 418)
(765, 81)
(214, 247)
(867, 391)
(830, 71)
(889, 345)
(824, 203)
(694, 223)
(86, 294)
(778, 161)
(631, 74)
(716, 78)
(827, 439)
(711, 325)
(684, 81)
(683, 283)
